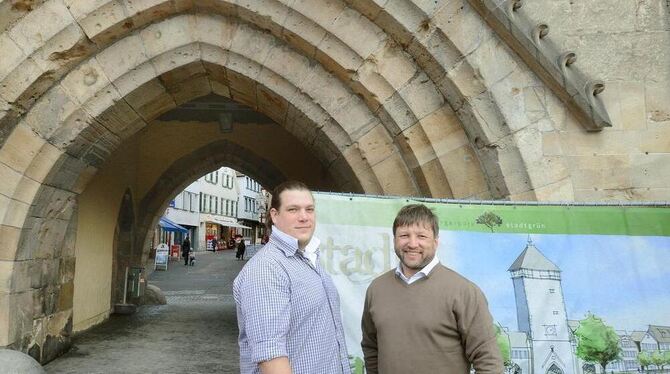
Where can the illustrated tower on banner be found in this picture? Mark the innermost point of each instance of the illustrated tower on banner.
(541, 312)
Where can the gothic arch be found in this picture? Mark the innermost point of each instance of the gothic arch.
(385, 98)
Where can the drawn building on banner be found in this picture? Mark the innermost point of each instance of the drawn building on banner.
(545, 343)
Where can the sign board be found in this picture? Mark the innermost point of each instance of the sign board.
(162, 256)
(567, 262)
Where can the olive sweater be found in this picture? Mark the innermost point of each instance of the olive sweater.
(438, 324)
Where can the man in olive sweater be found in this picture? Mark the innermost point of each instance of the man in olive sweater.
(423, 317)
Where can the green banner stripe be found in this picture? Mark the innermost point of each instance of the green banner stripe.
(600, 220)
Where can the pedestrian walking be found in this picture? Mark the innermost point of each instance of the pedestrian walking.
(241, 247)
(186, 250)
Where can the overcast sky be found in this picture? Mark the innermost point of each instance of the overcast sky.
(624, 280)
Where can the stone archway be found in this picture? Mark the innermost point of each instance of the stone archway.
(385, 101)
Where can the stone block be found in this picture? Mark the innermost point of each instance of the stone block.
(444, 130)
(394, 65)
(105, 22)
(83, 178)
(32, 31)
(302, 33)
(169, 35)
(600, 171)
(5, 319)
(80, 9)
(354, 117)
(288, 64)
(468, 82)
(370, 9)
(396, 114)
(266, 15)
(9, 240)
(551, 144)
(6, 274)
(371, 87)
(83, 83)
(64, 50)
(17, 211)
(271, 104)
(122, 56)
(22, 86)
(220, 89)
(394, 177)
(354, 161)
(118, 118)
(216, 31)
(12, 56)
(48, 113)
(655, 140)
(400, 19)
(26, 190)
(65, 301)
(337, 57)
(66, 269)
(602, 143)
(20, 314)
(253, 44)
(21, 148)
(421, 96)
(357, 32)
(9, 180)
(322, 13)
(650, 170)
(142, 12)
(434, 180)
(657, 96)
(41, 164)
(416, 147)
(463, 25)
(191, 89)
(464, 173)
(376, 145)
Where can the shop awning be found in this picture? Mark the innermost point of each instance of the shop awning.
(168, 225)
(229, 224)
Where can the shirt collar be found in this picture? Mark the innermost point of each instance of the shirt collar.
(421, 273)
(289, 244)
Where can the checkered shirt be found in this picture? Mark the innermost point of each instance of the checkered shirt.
(288, 307)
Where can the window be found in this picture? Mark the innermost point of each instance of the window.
(211, 200)
(552, 290)
(216, 204)
(555, 312)
(202, 202)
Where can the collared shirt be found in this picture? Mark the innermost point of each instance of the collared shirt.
(419, 274)
(287, 306)
(311, 249)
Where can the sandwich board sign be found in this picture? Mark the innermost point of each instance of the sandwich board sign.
(162, 256)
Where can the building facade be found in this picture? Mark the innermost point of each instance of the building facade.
(250, 210)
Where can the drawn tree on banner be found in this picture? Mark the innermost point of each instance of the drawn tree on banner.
(660, 359)
(503, 343)
(490, 220)
(644, 358)
(597, 342)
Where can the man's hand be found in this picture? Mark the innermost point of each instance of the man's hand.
(279, 365)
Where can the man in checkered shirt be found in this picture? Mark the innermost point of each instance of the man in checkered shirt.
(288, 310)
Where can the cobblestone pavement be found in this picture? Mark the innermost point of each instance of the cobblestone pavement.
(196, 332)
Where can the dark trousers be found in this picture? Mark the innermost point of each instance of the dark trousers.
(186, 260)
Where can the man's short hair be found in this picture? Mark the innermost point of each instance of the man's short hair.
(275, 201)
(414, 214)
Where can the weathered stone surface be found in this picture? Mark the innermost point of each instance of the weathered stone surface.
(153, 296)
(15, 362)
(9, 239)
(20, 148)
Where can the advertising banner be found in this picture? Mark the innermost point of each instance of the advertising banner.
(543, 269)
